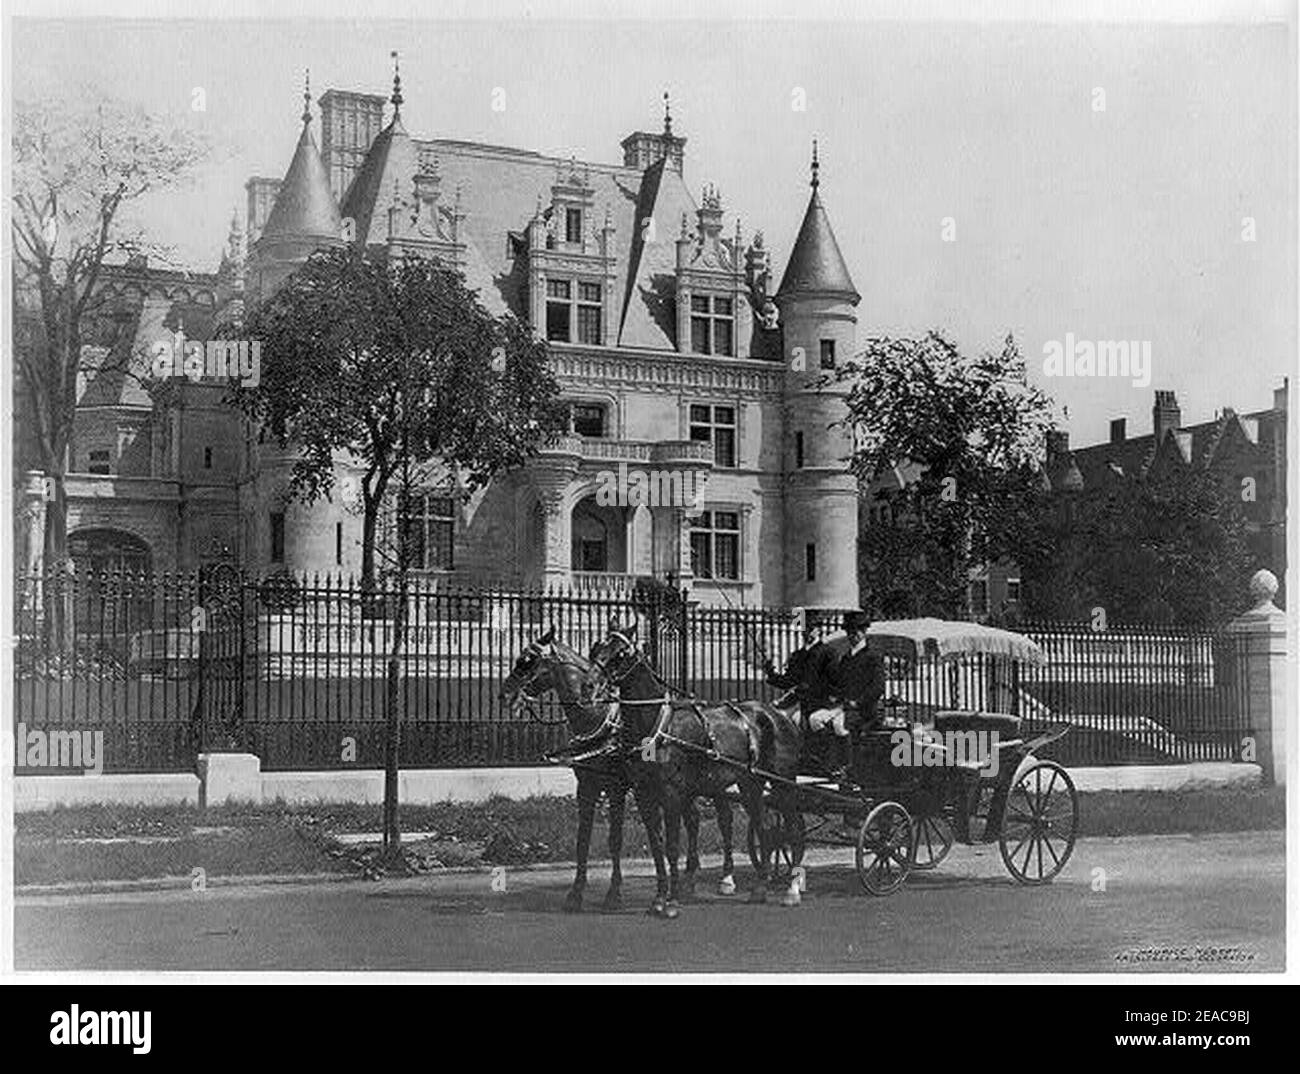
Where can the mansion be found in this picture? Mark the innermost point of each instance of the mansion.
(673, 343)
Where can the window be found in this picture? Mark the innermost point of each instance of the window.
(100, 462)
(430, 522)
(558, 298)
(587, 419)
(589, 313)
(979, 597)
(713, 325)
(277, 536)
(798, 450)
(207, 458)
(828, 354)
(338, 544)
(716, 425)
(573, 225)
(1013, 590)
(810, 562)
(715, 545)
(561, 318)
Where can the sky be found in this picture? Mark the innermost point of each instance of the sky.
(973, 182)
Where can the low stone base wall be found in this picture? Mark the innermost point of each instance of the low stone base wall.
(238, 778)
(45, 792)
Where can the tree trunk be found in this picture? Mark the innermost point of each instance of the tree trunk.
(57, 588)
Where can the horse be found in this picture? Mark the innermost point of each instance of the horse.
(685, 749)
(547, 666)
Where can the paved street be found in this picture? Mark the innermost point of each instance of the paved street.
(1160, 891)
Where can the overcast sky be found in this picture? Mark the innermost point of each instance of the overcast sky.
(1118, 224)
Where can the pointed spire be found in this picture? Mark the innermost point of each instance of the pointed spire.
(668, 117)
(304, 205)
(306, 95)
(816, 265)
(397, 85)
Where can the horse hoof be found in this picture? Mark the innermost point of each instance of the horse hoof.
(672, 910)
(727, 885)
(613, 901)
(658, 908)
(573, 903)
(792, 896)
(758, 896)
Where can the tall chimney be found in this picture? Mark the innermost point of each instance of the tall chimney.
(349, 123)
(1165, 415)
(1118, 430)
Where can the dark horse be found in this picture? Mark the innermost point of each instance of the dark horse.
(682, 749)
(600, 764)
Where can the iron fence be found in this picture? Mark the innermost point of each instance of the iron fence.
(295, 670)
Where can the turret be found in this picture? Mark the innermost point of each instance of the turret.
(817, 302)
(303, 219)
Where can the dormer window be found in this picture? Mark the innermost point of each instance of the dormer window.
(713, 325)
(573, 225)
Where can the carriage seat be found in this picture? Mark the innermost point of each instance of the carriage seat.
(1006, 725)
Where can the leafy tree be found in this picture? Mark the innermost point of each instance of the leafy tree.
(395, 364)
(1171, 548)
(77, 169)
(967, 434)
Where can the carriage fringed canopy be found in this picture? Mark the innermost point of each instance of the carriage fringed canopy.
(914, 638)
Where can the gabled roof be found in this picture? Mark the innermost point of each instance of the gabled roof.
(387, 171)
(816, 266)
(304, 205)
(649, 311)
(1193, 445)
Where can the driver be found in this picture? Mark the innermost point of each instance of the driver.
(852, 681)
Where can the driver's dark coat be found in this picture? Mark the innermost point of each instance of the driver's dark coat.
(839, 675)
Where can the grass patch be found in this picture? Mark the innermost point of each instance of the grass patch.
(172, 841)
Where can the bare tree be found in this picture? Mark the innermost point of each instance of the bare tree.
(77, 167)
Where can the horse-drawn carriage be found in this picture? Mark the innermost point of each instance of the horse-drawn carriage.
(924, 778)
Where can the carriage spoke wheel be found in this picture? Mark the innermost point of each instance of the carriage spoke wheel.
(884, 854)
(1040, 823)
(788, 845)
(932, 838)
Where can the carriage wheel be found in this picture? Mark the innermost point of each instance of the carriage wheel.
(790, 845)
(885, 849)
(932, 838)
(1040, 823)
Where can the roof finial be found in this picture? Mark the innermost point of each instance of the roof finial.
(668, 117)
(397, 84)
(306, 95)
(816, 167)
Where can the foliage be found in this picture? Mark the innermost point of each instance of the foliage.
(1171, 548)
(965, 435)
(399, 367)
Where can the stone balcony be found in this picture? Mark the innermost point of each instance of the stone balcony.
(693, 454)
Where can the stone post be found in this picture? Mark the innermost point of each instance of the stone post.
(1266, 644)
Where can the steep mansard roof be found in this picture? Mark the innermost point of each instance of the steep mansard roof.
(304, 206)
(816, 266)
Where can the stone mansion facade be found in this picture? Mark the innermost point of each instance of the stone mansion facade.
(671, 340)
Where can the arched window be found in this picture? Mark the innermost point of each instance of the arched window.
(99, 551)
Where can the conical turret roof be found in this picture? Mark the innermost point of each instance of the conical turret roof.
(816, 265)
(304, 206)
